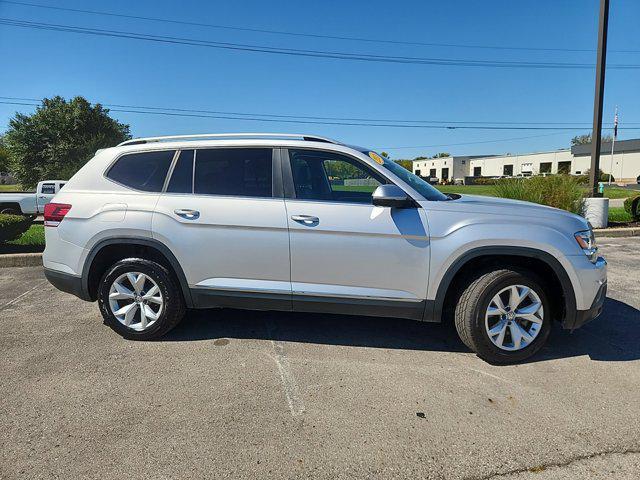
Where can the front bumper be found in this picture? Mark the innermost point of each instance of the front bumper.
(584, 316)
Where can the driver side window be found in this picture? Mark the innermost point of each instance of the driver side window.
(328, 176)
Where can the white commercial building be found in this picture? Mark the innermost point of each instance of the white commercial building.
(444, 168)
(624, 165)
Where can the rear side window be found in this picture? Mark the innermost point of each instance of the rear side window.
(144, 171)
(182, 176)
(48, 188)
(245, 172)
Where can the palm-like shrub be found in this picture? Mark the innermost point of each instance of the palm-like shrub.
(559, 191)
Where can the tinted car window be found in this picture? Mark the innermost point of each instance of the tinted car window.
(48, 188)
(182, 176)
(319, 175)
(143, 171)
(234, 171)
(422, 187)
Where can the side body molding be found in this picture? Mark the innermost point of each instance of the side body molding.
(570, 306)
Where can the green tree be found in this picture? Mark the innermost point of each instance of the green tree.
(586, 139)
(408, 164)
(4, 156)
(441, 155)
(59, 138)
(385, 155)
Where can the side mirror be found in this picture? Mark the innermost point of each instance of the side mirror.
(391, 196)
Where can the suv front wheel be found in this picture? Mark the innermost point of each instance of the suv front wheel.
(140, 299)
(504, 316)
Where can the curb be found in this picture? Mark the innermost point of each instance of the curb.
(617, 232)
(21, 260)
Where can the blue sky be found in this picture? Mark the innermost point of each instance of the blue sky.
(40, 63)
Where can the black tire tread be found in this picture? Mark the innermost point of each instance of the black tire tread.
(174, 312)
(465, 312)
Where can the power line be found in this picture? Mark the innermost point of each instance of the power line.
(471, 143)
(140, 110)
(302, 34)
(301, 52)
(306, 117)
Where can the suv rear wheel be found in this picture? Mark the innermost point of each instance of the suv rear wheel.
(504, 316)
(140, 299)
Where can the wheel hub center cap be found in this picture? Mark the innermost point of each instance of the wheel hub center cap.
(511, 316)
(138, 298)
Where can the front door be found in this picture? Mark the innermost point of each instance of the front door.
(346, 254)
(221, 220)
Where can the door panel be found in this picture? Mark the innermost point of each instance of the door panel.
(359, 251)
(231, 244)
(344, 251)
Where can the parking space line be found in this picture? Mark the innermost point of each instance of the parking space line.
(19, 297)
(289, 385)
(490, 375)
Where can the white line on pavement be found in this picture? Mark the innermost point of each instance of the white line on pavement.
(289, 385)
(19, 297)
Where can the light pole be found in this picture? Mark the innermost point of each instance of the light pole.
(596, 137)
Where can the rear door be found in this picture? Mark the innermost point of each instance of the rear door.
(346, 254)
(225, 221)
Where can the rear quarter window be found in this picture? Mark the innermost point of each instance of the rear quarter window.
(48, 188)
(144, 171)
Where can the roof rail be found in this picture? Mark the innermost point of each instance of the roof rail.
(308, 138)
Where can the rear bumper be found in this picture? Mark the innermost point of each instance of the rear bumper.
(67, 283)
(584, 316)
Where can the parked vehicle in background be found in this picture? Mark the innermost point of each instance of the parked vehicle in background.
(30, 203)
(638, 180)
(300, 223)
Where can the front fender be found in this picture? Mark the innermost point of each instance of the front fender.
(451, 250)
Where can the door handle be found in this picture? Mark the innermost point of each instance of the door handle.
(305, 219)
(187, 213)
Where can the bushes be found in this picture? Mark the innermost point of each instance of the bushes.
(602, 177)
(632, 207)
(484, 181)
(560, 191)
(12, 226)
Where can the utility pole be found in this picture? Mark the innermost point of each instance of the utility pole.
(613, 142)
(596, 137)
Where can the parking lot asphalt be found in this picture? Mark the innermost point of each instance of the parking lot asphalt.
(232, 394)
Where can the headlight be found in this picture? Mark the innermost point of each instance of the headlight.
(587, 241)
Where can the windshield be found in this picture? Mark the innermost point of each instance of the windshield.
(422, 187)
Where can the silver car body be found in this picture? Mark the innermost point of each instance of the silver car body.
(387, 261)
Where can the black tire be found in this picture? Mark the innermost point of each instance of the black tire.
(472, 306)
(10, 211)
(173, 308)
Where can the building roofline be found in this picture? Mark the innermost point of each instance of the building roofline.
(632, 145)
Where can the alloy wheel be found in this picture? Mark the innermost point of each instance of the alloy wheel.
(136, 300)
(514, 317)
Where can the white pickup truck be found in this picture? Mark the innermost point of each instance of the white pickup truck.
(30, 203)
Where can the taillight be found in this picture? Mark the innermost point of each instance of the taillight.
(54, 213)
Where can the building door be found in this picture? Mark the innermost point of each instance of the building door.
(445, 174)
(477, 171)
(507, 170)
(564, 167)
(432, 173)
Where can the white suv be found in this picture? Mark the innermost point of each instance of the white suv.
(299, 223)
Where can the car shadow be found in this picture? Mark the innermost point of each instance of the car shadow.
(612, 337)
